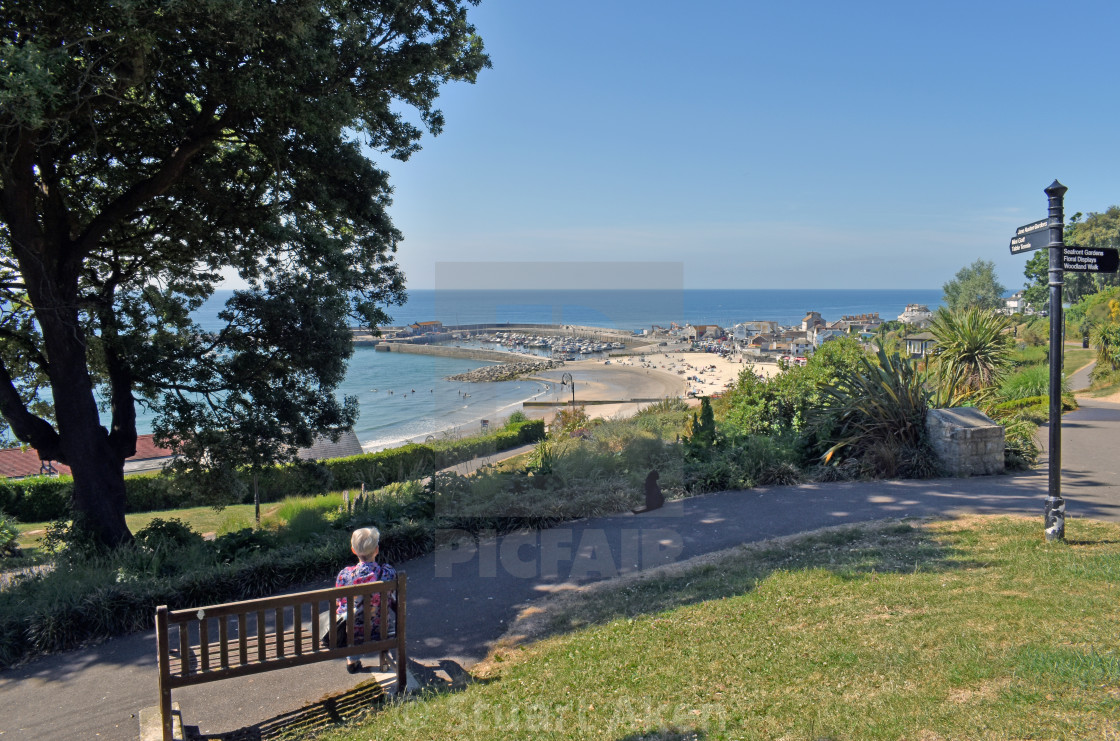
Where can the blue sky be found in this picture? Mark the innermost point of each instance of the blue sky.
(765, 145)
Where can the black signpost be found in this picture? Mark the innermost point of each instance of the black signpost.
(1091, 259)
(1054, 517)
(1048, 233)
(1031, 237)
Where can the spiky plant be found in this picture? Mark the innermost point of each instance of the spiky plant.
(875, 407)
(1105, 337)
(973, 350)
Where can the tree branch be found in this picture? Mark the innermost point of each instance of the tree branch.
(205, 131)
(28, 427)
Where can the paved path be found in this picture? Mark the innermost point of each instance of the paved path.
(460, 600)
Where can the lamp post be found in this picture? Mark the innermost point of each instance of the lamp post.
(566, 380)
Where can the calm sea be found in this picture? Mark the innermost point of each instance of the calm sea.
(405, 396)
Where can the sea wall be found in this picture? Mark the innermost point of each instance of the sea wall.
(456, 352)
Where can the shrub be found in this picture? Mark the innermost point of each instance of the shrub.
(36, 499)
(166, 535)
(875, 414)
(9, 536)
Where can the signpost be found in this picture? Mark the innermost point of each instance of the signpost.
(1091, 259)
(1031, 237)
(1048, 233)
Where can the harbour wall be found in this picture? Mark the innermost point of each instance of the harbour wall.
(455, 352)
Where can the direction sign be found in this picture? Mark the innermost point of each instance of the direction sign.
(1091, 259)
(1029, 237)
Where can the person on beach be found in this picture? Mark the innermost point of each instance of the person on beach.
(365, 543)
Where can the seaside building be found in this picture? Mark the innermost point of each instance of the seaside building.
(420, 328)
(811, 320)
(1014, 304)
(919, 345)
(856, 323)
(917, 315)
(704, 332)
(23, 462)
(821, 335)
(743, 331)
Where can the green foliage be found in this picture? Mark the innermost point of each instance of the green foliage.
(1102, 307)
(1105, 338)
(569, 419)
(516, 418)
(36, 499)
(973, 349)
(9, 535)
(182, 143)
(166, 535)
(781, 405)
(701, 432)
(743, 462)
(974, 285)
(875, 416)
(1036, 291)
(1031, 381)
(1095, 230)
(543, 458)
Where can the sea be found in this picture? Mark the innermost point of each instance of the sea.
(407, 397)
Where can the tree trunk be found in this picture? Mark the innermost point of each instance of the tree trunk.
(98, 498)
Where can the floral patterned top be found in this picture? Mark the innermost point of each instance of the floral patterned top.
(363, 573)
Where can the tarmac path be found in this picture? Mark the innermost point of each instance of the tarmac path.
(461, 599)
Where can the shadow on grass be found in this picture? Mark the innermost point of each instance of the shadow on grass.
(847, 552)
(343, 709)
(666, 734)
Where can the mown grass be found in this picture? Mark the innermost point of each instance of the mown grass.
(966, 629)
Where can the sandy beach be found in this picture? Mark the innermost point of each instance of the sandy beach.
(648, 377)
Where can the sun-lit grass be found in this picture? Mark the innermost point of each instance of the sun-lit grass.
(967, 629)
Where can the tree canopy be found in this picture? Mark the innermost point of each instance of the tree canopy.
(150, 147)
(1094, 230)
(974, 285)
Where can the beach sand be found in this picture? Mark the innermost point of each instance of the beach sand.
(649, 377)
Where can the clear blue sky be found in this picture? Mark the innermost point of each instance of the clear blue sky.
(766, 145)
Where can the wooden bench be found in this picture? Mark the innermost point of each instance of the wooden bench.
(236, 639)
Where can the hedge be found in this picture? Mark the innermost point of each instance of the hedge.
(44, 498)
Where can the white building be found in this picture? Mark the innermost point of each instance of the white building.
(918, 315)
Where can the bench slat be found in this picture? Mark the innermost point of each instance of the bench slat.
(204, 642)
(242, 639)
(261, 632)
(278, 631)
(184, 645)
(223, 642)
(234, 608)
(297, 629)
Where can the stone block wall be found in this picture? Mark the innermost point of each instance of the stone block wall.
(967, 441)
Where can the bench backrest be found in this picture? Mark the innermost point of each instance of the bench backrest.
(214, 642)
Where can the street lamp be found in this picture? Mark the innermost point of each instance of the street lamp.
(566, 380)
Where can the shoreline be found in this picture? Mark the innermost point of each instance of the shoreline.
(615, 389)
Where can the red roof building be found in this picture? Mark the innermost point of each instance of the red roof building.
(18, 463)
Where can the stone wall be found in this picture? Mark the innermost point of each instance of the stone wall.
(967, 442)
(458, 352)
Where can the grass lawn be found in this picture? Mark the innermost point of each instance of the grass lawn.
(200, 519)
(966, 629)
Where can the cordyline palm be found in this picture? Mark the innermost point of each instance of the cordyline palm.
(973, 350)
(875, 403)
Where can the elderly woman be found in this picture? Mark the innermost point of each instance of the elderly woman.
(364, 542)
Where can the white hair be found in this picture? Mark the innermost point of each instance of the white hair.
(364, 541)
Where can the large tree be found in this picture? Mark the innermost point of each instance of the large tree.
(150, 147)
(974, 285)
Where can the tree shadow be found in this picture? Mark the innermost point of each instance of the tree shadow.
(665, 734)
(850, 552)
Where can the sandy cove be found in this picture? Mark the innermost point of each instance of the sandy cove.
(652, 376)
